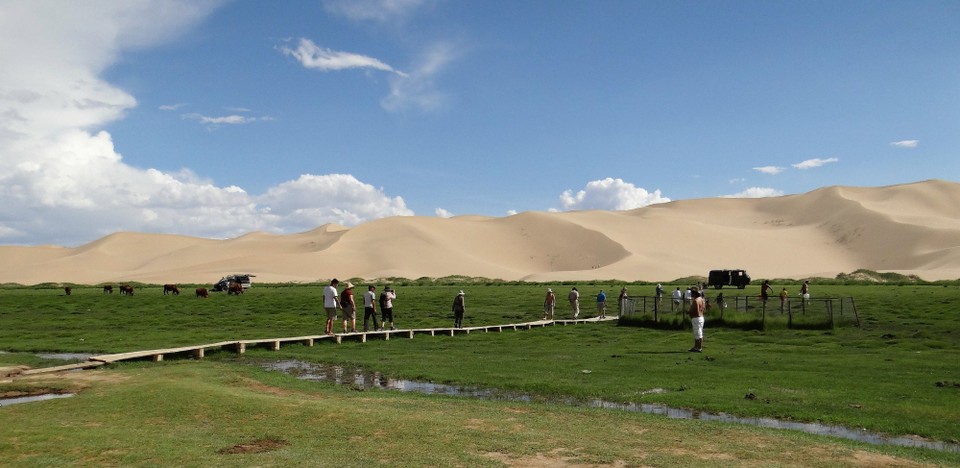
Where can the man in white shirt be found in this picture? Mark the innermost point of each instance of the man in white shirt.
(370, 306)
(331, 304)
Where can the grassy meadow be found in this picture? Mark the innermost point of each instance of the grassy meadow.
(899, 373)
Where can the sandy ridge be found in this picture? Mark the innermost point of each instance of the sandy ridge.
(910, 228)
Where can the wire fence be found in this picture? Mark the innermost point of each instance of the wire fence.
(746, 311)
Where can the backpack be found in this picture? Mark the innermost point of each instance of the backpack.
(383, 300)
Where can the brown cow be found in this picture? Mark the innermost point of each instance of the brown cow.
(235, 288)
(171, 288)
(67, 290)
(201, 292)
(126, 290)
(108, 289)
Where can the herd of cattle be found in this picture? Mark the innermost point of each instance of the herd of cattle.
(126, 290)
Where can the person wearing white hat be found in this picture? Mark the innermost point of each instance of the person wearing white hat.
(549, 303)
(458, 309)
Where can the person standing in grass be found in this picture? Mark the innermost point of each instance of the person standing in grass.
(622, 300)
(677, 297)
(658, 297)
(805, 291)
(549, 303)
(458, 309)
(765, 290)
(369, 307)
(574, 298)
(386, 307)
(331, 304)
(349, 308)
(697, 308)
(602, 304)
(783, 299)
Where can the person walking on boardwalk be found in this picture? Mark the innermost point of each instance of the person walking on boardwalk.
(370, 307)
(697, 308)
(602, 304)
(349, 308)
(574, 298)
(458, 309)
(386, 307)
(331, 304)
(549, 303)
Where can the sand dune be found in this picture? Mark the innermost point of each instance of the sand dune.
(911, 228)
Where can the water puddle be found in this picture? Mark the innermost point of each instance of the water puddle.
(65, 356)
(30, 399)
(365, 379)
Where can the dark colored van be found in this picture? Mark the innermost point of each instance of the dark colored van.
(721, 278)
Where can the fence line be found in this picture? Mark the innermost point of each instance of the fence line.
(797, 311)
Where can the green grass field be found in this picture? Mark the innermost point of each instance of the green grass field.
(896, 374)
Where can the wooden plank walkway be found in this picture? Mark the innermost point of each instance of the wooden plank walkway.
(240, 346)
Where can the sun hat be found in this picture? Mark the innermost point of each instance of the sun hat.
(460, 293)
(349, 285)
(549, 290)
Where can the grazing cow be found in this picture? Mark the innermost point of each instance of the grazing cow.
(235, 288)
(171, 288)
(126, 290)
(201, 292)
(108, 289)
(67, 290)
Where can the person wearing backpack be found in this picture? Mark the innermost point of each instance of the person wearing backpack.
(386, 307)
(458, 309)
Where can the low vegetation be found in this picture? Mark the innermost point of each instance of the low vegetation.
(886, 376)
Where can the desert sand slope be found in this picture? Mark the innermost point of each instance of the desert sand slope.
(911, 228)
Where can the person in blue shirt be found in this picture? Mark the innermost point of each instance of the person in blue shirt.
(602, 304)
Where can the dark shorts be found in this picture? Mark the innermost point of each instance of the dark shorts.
(386, 314)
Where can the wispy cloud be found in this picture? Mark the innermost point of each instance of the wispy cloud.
(315, 57)
(382, 11)
(815, 162)
(756, 192)
(771, 170)
(418, 90)
(172, 107)
(610, 194)
(905, 143)
(738, 180)
(222, 120)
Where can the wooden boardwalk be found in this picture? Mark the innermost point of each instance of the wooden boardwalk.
(240, 346)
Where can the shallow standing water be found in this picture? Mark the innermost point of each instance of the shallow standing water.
(29, 399)
(361, 378)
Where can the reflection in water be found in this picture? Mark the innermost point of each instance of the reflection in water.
(28, 399)
(361, 378)
(65, 356)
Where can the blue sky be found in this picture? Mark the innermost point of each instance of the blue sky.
(218, 118)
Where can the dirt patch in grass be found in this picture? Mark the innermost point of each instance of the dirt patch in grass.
(557, 458)
(263, 388)
(268, 444)
(875, 459)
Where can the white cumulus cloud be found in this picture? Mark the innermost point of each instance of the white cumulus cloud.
(771, 170)
(815, 162)
(63, 181)
(905, 143)
(609, 194)
(756, 192)
(442, 213)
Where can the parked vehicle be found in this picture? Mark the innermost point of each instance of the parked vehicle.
(224, 283)
(720, 278)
